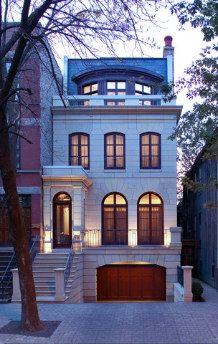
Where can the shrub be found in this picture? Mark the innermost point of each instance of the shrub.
(197, 289)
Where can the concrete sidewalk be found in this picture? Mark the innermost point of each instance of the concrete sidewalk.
(124, 322)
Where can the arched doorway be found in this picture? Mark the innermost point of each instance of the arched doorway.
(150, 220)
(62, 215)
(114, 220)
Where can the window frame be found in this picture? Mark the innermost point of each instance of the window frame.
(79, 149)
(149, 167)
(114, 151)
(116, 89)
(92, 92)
(149, 206)
(115, 206)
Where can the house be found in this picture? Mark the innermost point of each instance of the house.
(111, 189)
(35, 124)
(200, 217)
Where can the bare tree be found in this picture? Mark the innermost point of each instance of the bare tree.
(27, 25)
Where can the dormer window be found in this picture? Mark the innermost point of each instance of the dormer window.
(91, 89)
(116, 88)
(142, 89)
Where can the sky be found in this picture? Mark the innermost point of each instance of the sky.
(187, 42)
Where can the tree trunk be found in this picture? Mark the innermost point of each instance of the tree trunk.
(29, 315)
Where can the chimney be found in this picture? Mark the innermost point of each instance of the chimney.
(168, 53)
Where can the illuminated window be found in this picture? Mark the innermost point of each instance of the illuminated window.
(91, 89)
(114, 151)
(150, 220)
(142, 89)
(116, 88)
(150, 151)
(79, 150)
(114, 220)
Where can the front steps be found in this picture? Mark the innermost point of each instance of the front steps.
(43, 273)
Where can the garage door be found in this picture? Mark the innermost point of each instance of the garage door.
(131, 282)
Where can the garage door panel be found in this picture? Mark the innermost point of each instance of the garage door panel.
(131, 282)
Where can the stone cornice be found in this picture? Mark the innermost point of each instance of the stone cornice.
(121, 110)
(81, 179)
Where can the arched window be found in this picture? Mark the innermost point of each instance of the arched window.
(62, 215)
(150, 220)
(79, 150)
(150, 150)
(114, 220)
(114, 150)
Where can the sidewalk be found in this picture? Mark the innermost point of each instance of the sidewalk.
(100, 323)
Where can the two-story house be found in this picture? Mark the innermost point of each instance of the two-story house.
(112, 184)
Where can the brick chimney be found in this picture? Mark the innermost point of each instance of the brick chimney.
(168, 53)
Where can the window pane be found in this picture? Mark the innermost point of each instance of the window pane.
(138, 87)
(121, 85)
(84, 151)
(108, 218)
(74, 150)
(120, 199)
(121, 93)
(147, 89)
(121, 102)
(155, 199)
(111, 93)
(144, 199)
(109, 199)
(110, 151)
(84, 162)
(154, 150)
(119, 150)
(74, 139)
(145, 150)
(84, 139)
(109, 139)
(110, 103)
(119, 139)
(154, 139)
(110, 162)
(86, 89)
(155, 161)
(63, 197)
(94, 87)
(119, 162)
(145, 139)
(74, 161)
(111, 85)
(145, 161)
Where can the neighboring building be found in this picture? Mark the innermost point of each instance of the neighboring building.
(112, 184)
(35, 123)
(200, 217)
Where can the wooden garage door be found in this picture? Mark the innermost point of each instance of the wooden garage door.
(131, 282)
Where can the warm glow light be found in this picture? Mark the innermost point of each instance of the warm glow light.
(93, 238)
(167, 237)
(47, 247)
(132, 237)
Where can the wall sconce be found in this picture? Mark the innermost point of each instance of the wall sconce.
(47, 234)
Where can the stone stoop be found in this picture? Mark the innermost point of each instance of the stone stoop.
(74, 286)
(43, 273)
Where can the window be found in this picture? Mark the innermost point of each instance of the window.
(116, 88)
(79, 150)
(150, 150)
(114, 151)
(150, 220)
(114, 220)
(91, 89)
(142, 89)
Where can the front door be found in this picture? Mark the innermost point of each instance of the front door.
(62, 230)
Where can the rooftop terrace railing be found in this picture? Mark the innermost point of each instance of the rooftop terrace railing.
(112, 100)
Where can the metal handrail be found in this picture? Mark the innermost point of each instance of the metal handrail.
(32, 256)
(68, 267)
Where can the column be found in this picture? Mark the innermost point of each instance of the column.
(187, 283)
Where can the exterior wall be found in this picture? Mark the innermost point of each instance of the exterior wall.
(131, 182)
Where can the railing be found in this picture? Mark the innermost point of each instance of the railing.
(180, 275)
(6, 279)
(68, 267)
(114, 100)
(92, 237)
